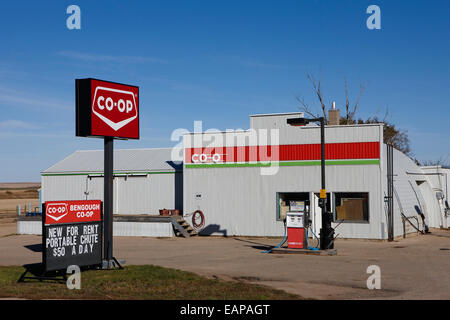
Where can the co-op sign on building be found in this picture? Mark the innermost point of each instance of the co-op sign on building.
(107, 109)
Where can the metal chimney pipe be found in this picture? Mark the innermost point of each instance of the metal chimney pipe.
(333, 115)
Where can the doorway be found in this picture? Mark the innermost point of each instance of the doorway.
(316, 212)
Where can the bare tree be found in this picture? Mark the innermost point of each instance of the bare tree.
(392, 135)
(349, 114)
(318, 89)
(442, 161)
(305, 108)
(317, 86)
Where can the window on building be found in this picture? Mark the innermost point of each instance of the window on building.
(288, 200)
(351, 206)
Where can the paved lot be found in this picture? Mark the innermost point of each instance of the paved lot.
(414, 268)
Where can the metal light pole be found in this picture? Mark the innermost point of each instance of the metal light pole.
(108, 200)
(326, 232)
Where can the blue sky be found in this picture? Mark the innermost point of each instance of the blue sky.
(219, 62)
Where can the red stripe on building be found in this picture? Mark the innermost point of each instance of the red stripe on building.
(292, 152)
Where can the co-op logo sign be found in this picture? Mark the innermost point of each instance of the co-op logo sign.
(57, 211)
(205, 158)
(72, 211)
(106, 109)
(115, 107)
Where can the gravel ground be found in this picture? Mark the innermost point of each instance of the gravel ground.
(413, 268)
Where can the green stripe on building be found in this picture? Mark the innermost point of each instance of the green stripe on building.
(285, 164)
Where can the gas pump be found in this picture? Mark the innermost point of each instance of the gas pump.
(297, 223)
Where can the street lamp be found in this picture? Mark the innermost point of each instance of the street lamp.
(326, 232)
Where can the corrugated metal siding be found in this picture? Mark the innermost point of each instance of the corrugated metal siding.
(143, 229)
(135, 195)
(411, 196)
(333, 151)
(122, 229)
(29, 227)
(287, 136)
(333, 134)
(243, 202)
(438, 179)
(349, 150)
(431, 206)
(70, 188)
(146, 195)
(272, 121)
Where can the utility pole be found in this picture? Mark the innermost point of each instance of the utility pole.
(326, 232)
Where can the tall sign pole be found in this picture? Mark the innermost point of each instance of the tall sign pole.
(107, 110)
(108, 199)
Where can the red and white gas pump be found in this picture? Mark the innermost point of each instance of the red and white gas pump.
(295, 230)
(296, 223)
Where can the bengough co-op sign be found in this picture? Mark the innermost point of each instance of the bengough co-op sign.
(106, 109)
(71, 234)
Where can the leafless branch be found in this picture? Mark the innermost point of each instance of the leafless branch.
(362, 87)
(386, 115)
(317, 86)
(318, 89)
(305, 108)
(442, 161)
(347, 102)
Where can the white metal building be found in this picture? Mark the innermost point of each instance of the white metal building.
(145, 180)
(242, 181)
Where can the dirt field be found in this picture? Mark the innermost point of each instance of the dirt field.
(14, 194)
(19, 190)
(19, 185)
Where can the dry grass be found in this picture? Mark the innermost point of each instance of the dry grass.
(19, 185)
(28, 193)
(12, 195)
(137, 282)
